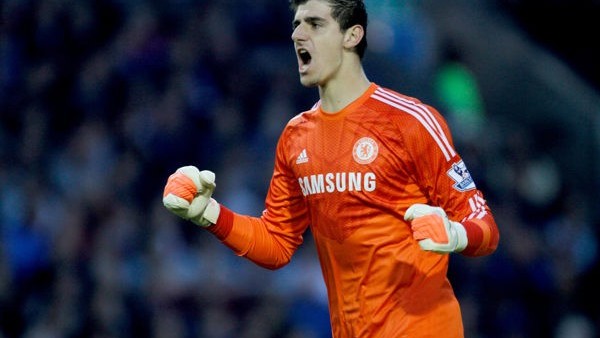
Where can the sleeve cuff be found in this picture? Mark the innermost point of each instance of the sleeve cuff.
(224, 224)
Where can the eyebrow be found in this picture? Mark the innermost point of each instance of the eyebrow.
(310, 20)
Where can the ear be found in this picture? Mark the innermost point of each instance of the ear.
(353, 36)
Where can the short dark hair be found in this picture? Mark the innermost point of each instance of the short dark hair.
(347, 13)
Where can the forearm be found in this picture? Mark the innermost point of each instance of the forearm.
(482, 234)
(253, 238)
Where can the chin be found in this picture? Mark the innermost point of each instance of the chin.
(306, 82)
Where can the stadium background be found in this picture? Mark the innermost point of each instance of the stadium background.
(101, 100)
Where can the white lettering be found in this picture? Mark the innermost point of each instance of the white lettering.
(354, 181)
(317, 184)
(370, 182)
(330, 184)
(340, 182)
(337, 182)
(304, 192)
(307, 186)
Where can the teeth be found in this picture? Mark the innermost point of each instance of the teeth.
(304, 55)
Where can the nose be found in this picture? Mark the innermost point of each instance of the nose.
(298, 34)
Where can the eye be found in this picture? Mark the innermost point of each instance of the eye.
(316, 24)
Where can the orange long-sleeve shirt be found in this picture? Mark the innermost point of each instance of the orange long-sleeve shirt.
(350, 176)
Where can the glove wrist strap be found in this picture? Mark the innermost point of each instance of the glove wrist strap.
(461, 235)
(210, 214)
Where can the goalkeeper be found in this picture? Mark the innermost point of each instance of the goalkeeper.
(375, 176)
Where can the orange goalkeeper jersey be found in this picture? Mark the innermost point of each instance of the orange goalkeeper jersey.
(350, 176)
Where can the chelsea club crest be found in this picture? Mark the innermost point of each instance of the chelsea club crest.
(365, 150)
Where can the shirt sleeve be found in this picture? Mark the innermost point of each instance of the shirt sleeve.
(444, 178)
(271, 239)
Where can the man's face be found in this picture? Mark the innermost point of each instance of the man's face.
(318, 42)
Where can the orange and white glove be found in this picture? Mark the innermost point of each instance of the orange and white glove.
(188, 194)
(434, 231)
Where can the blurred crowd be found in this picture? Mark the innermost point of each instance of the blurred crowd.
(101, 100)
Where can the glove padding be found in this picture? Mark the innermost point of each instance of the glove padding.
(188, 194)
(434, 231)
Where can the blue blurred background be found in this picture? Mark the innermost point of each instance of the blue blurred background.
(101, 100)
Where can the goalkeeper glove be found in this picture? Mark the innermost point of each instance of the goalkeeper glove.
(434, 231)
(188, 194)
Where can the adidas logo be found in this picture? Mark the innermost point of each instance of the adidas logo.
(302, 158)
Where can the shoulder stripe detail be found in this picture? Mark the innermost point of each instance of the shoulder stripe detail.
(422, 114)
(316, 105)
(297, 116)
(312, 109)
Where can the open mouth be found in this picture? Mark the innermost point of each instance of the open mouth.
(304, 59)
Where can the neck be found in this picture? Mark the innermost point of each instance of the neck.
(342, 90)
